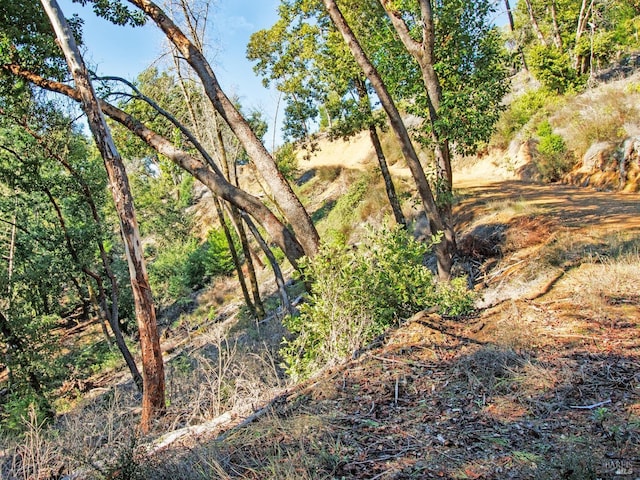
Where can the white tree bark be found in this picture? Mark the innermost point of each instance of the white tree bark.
(152, 364)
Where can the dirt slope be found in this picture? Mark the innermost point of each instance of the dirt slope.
(542, 383)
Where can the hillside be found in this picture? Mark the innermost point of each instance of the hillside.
(541, 382)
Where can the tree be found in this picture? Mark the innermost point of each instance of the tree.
(565, 40)
(292, 207)
(444, 249)
(153, 367)
(463, 76)
(30, 280)
(171, 91)
(306, 58)
(54, 135)
(207, 174)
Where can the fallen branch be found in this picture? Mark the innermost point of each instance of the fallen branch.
(590, 407)
(190, 431)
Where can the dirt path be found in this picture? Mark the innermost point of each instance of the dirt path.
(570, 206)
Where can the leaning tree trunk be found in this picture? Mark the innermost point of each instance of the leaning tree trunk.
(286, 304)
(153, 402)
(382, 161)
(444, 249)
(295, 212)
(534, 24)
(237, 221)
(195, 126)
(512, 28)
(103, 311)
(234, 255)
(557, 39)
(586, 7)
(212, 179)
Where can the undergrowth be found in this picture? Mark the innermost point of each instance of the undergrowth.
(553, 160)
(359, 292)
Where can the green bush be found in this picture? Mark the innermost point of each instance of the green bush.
(454, 298)
(218, 259)
(340, 221)
(180, 268)
(167, 271)
(553, 160)
(14, 411)
(185, 191)
(518, 114)
(287, 161)
(358, 293)
(553, 69)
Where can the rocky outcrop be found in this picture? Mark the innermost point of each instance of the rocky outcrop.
(609, 166)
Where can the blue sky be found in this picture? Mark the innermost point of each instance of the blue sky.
(127, 51)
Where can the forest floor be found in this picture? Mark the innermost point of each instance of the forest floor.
(542, 382)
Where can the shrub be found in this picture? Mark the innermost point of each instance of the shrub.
(18, 405)
(553, 69)
(185, 191)
(287, 161)
(167, 271)
(553, 160)
(358, 293)
(218, 259)
(518, 114)
(340, 221)
(182, 267)
(454, 298)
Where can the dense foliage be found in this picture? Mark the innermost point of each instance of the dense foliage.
(51, 191)
(566, 42)
(308, 61)
(359, 292)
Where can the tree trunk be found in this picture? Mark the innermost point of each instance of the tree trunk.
(234, 256)
(286, 304)
(99, 309)
(220, 212)
(583, 16)
(386, 175)
(152, 364)
(534, 23)
(512, 28)
(103, 312)
(251, 271)
(444, 249)
(382, 161)
(138, 379)
(295, 212)
(424, 53)
(237, 221)
(557, 39)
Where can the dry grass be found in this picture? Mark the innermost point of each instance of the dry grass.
(505, 210)
(220, 372)
(605, 114)
(605, 284)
